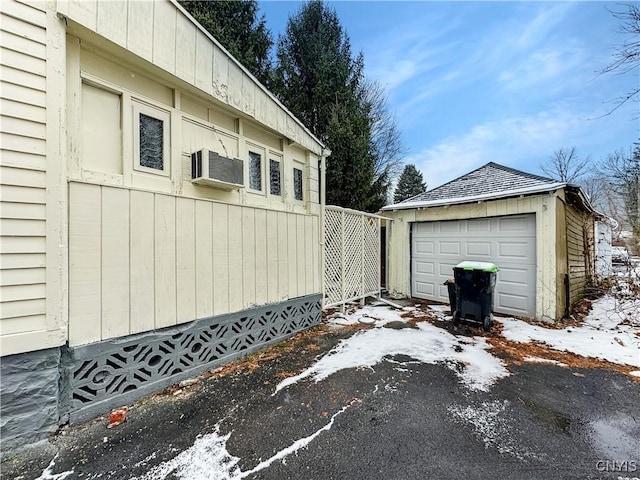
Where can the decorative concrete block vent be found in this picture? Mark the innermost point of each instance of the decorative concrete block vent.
(103, 375)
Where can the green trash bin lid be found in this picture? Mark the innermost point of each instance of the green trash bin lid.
(483, 266)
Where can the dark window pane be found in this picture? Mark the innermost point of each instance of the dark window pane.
(151, 140)
(274, 174)
(255, 171)
(297, 183)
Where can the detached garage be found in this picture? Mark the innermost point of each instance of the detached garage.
(537, 230)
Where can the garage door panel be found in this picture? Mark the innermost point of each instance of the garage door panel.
(424, 267)
(450, 227)
(425, 287)
(479, 225)
(517, 304)
(424, 227)
(513, 224)
(424, 247)
(507, 241)
(445, 270)
(514, 250)
(515, 276)
(449, 248)
(479, 249)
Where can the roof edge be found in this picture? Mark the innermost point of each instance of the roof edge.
(476, 198)
(244, 69)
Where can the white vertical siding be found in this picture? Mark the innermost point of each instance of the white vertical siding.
(185, 260)
(114, 258)
(85, 265)
(204, 259)
(142, 295)
(141, 260)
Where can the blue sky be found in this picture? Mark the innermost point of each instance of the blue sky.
(473, 82)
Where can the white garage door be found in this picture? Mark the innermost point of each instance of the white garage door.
(509, 242)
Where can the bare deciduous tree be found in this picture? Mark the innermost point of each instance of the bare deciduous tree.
(565, 166)
(626, 57)
(385, 136)
(596, 187)
(623, 172)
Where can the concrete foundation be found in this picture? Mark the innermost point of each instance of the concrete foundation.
(29, 393)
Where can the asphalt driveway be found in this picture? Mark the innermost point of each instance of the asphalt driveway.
(399, 419)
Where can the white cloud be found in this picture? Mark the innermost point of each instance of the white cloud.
(551, 68)
(521, 142)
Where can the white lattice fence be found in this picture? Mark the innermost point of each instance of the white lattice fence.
(351, 255)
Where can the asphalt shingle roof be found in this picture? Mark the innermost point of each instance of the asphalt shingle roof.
(487, 182)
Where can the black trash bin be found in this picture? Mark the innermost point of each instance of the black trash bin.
(474, 286)
(451, 290)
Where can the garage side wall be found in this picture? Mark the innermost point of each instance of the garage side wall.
(543, 206)
(580, 256)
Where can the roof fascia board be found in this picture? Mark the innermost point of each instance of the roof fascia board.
(478, 198)
(244, 69)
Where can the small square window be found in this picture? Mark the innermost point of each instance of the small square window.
(297, 183)
(151, 139)
(274, 177)
(255, 171)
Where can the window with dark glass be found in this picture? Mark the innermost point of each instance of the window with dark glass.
(255, 171)
(297, 183)
(151, 142)
(274, 177)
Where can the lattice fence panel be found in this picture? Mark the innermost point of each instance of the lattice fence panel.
(371, 254)
(352, 255)
(333, 256)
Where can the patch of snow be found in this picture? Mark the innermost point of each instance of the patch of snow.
(635, 373)
(543, 360)
(47, 473)
(484, 266)
(440, 308)
(489, 424)
(377, 315)
(471, 361)
(208, 458)
(610, 333)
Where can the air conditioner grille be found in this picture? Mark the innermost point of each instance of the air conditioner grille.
(225, 169)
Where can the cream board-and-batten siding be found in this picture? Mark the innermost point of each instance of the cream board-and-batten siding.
(32, 262)
(141, 260)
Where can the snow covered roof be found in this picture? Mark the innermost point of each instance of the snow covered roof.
(491, 181)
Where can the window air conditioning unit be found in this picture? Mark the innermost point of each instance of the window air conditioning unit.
(213, 170)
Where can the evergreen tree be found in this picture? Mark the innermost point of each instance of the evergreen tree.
(410, 184)
(322, 83)
(236, 25)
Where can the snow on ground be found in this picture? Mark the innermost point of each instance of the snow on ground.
(490, 425)
(48, 475)
(610, 332)
(369, 314)
(467, 357)
(208, 458)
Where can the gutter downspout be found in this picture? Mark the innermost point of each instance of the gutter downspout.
(324, 153)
